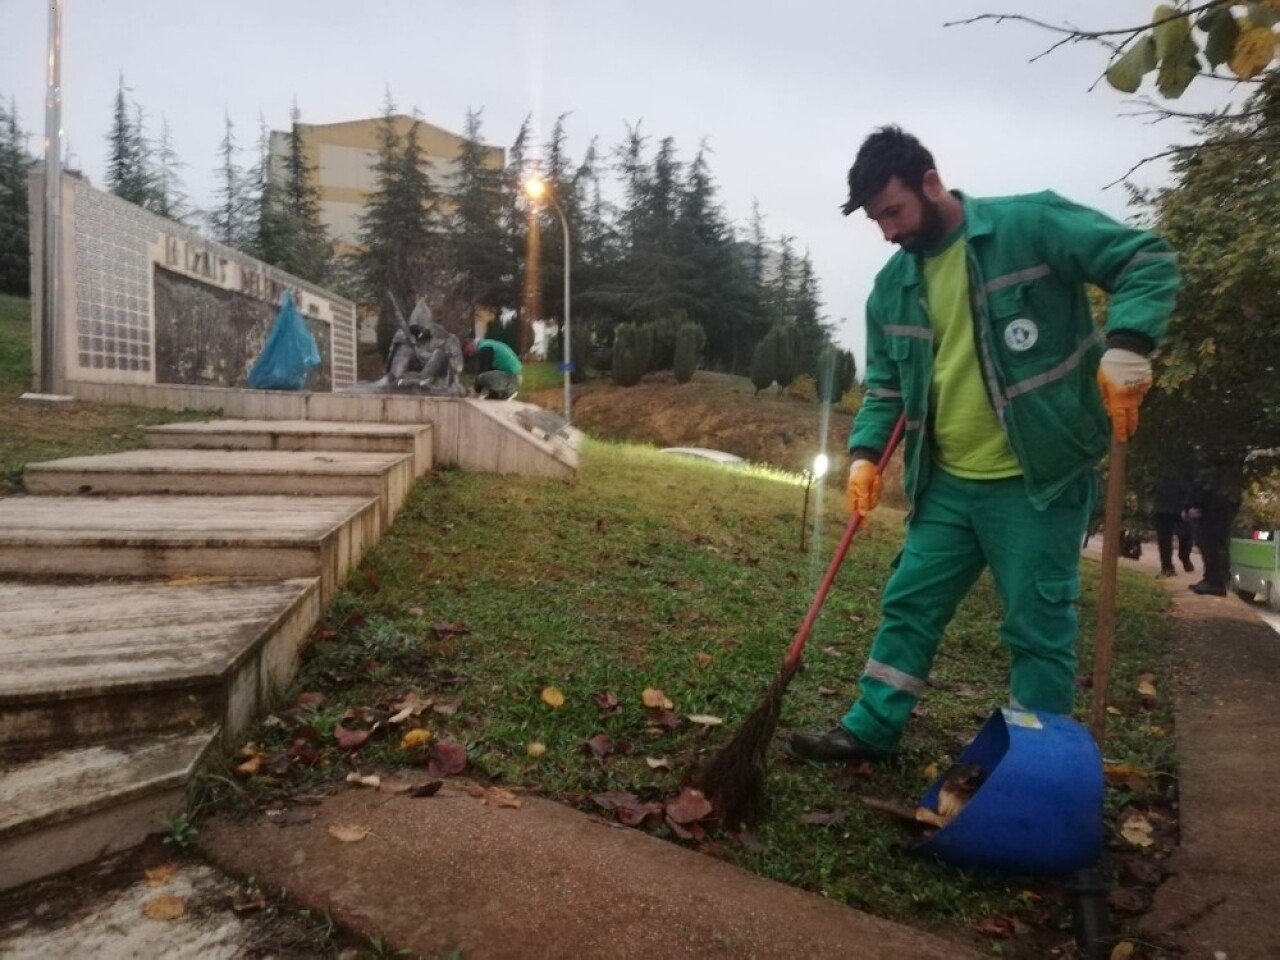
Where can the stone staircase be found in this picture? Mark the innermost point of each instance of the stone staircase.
(154, 602)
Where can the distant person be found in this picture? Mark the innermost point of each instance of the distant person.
(499, 369)
(979, 332)
(1212, 510)
(1169, 508)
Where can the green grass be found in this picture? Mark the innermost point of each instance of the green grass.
(540, 374)
(620, 582)
(31, 432)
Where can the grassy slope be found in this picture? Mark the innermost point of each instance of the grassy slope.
(618, 583)
(31, 432)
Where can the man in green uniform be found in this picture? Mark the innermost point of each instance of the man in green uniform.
(499, 369)
(979, 331)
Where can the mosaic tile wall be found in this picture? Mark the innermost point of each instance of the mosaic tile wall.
(113, 282)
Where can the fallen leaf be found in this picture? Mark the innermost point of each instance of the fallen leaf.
(445, 630)
(553, 697)
(600, 746)
(164, 907)
(1001, 927)
(607, 702)
(250, 749)
(658, 763)
(832, 651)
(350, 739)
(826, 692)
(447, 758)
(656, 699)
(475, 790)
(372, 780)
(498, 797)
(1147, 689)
(611, 799)
(1124, 775)
(1115, 711)
(428, 789)
(822, 818)
(447, 708)
(664, 718)
(348, 832)
(688, 807)
(1137, 831)
(931, 772)
(636, 813)
(415, 611)
(309, 701)
(415, 738)
(250, 767)
(705, 719)
(536, 749)
(685, 831)
(410, 706)
(159, 876)
(1123, 950)
(705, 660)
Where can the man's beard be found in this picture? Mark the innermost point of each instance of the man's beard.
(932, 229)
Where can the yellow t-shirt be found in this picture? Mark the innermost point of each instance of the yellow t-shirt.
(967, 439)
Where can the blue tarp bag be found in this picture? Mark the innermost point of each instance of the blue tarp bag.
(289, 353)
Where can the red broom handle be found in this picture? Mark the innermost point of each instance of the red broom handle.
(855, 522)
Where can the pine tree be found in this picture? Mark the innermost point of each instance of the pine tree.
(396, 228)
(520, 284)
(231, 219)
(15, 163)
(813, 331)
(289, 232)
(476, 236)
(127, 173)
(168, 198)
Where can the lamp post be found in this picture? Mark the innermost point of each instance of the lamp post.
(820, 465)
(536, 189)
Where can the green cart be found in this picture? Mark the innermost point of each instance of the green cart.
(1255, 566)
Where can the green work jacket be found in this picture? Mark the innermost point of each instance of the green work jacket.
(1029, 259)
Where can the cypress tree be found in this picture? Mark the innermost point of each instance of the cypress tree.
(127, 173)
(627, 369)
(764, 361)
(690, 340)
(15, 218)
(788, 354)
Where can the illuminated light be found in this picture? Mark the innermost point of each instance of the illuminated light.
(535, 188)
(820, 466)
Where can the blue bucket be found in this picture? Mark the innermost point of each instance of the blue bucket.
(1039, 810)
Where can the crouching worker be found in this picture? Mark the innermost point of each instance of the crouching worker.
(498, 368)
(979, 330)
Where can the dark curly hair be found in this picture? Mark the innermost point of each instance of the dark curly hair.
(889, 152)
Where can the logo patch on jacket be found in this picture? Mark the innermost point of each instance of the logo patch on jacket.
(1021, 335)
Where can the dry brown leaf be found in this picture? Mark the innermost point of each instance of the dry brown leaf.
(350, 739)
(553, 697)
(1147, 689)
(1124, 775)
(1123, 950)
(309, 701)
(1137, 831)
(448, 757)
(410, 706)
(931, 772)
(250, 766)
(536, 749)
(159, 876)
(372, 780)
(1115, 711)
(658, 763)
(498, 797)
(415, 738)
(348, 832)
(656, 699)
(600, 746)
(705, 719)
(705, 660)
(164, 907)
(689, 807)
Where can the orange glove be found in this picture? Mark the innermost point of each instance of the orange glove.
(864, 487)
(1124, 377)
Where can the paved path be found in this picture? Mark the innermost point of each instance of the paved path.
(452, 873)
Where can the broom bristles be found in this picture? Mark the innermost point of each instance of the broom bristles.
(734, 779)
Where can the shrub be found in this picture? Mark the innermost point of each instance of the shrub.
(836, 370)
(631, 347)
(851, 402)
(690, 339)
(803, 388)
(788, 353)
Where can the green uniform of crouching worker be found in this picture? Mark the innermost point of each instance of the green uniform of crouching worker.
(979, 330)
(500, 371)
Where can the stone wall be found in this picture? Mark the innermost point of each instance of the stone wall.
(146, 300)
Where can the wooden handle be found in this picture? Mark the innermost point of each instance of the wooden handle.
(1107, 591)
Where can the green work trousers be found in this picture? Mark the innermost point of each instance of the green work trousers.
(960, 527)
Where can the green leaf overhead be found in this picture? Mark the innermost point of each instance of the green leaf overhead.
(1126, 73)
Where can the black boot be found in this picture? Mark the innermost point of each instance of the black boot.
(1205, 588)
(836, 745)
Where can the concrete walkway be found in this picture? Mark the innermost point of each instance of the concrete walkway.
(453, 873)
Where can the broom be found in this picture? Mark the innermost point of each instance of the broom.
(733, 780)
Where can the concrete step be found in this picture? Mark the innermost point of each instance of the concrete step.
(74, 806)
(104, 661)
(388, 476)
(276, 538)
(412, 438)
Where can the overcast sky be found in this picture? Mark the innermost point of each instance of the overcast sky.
(783, 91)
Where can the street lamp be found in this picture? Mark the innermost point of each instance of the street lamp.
(536, 189)
(820, 465)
